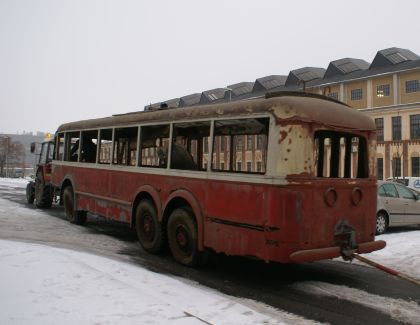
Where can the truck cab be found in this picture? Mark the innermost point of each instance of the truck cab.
(40, 189)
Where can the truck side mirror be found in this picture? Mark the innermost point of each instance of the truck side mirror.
(32, 147)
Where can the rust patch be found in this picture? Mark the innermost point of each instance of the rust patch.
(283, 136)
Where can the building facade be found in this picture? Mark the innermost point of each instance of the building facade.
(387, 89)
(392, 99)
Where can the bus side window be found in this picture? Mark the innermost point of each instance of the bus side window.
(71, 151)
(59, 147)
(89, 146)
(154, 146)
(240, 145)
(188, 152)
(125, 146)
(105, 146)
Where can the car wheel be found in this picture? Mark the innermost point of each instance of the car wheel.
(381, 223)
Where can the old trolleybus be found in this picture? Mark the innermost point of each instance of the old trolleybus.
(286, 178)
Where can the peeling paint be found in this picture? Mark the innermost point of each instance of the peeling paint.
(295, 156)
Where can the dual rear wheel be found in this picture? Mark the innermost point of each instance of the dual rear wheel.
(180, 235)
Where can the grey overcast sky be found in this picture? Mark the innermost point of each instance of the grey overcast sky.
(67, 60)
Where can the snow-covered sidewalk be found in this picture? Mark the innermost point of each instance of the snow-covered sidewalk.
(44, 285)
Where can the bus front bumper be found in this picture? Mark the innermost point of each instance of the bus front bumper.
(318, 254)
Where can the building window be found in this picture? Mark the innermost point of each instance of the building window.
(379, 122)
(383, 90)
(357, 94)
(380, 166)
(222, 143)
(259, 166)
(412, 86)
(249, 166)
(396, 167)
(206, 144)
(415, 126)
(396, 128)
(415, 166)
(259, 142)
(239, 143)
(239, 166)
(333, 95)
(249, 142)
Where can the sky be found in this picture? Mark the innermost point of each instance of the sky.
(81, 288)
(69, 60)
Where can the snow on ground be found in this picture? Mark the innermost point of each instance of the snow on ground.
(41, 285)
(402, 251)
(45, 285)
(15, 182)
(398, 309)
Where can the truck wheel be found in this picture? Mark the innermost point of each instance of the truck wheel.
(30, 195)
(43, 195)
(149, 230)
(74, 216)
(183, 238)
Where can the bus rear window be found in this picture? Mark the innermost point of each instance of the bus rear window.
(340, 155)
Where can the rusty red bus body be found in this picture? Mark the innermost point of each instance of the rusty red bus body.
(288, 214)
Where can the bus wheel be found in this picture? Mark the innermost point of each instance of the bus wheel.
(43, 197)
(381, 223)
(74, 216)
(30, 195)
(182, 237)
(149, 230)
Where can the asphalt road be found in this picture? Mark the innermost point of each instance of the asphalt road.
(276, 285)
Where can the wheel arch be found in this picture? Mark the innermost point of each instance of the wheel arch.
(66, 182)
(150, 193)
(182, 198)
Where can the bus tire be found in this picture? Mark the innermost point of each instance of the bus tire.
(381, 223)
(30, 194)
(183, 238)
(74, 216)
(148, 228)
(43, 197)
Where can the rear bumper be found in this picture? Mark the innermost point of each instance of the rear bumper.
(317, 254)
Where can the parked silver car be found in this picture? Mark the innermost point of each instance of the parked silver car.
(397, 206)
